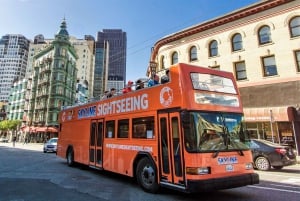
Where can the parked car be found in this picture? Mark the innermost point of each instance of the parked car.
(3, 139)
(51, 145)
(267, 154)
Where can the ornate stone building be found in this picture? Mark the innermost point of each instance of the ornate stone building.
(260, 44)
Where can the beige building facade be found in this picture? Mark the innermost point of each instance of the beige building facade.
(260, 45)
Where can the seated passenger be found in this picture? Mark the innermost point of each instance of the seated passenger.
(139, 85)
(164, 79)
(153, 81)
(128, 87)
(111, 93)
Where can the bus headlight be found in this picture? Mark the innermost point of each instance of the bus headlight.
(249, 166)
(198, 170)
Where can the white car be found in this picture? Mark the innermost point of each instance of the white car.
(51, 145)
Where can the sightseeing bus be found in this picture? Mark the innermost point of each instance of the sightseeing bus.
(187, 134)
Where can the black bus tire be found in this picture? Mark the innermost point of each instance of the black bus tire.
(70, 157)
(147, 176)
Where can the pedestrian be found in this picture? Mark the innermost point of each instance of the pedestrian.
(14, 141)
(25, 140)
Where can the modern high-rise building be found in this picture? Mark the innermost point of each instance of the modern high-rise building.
(85, 66)
(13, 61)
(110, 61)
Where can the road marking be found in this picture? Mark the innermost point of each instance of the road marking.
(286, 186)
(276, 174)
(275, 189)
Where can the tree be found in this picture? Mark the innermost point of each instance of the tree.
(9, 125)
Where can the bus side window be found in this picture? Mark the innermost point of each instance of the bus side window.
(110, 129)
(123, 127)
(143, 127)
(139, 131)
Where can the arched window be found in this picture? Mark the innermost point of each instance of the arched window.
(264, 35)
(174, 58)
(236, 42)
(162, 62)
(213, 48)
(193, 53)
(295, 26)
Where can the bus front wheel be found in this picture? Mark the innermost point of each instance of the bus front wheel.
(70, 157)
(147, 176)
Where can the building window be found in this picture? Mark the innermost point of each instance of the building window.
(269, 66)
(240, 70)
(297, 57)
(213, 48)
(217, 67)
(162, 62)
(264, 35)
(193, 54)
(295, 27)
(174, 58)
(237, 43)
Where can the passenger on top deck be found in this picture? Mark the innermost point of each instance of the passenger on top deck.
(153, 81)
(128, 87)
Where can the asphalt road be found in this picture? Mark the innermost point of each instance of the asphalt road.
(28, 174)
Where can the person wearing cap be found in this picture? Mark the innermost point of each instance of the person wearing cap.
(139, 84)
(128, 87)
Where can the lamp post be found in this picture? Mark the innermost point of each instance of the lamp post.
(153, 66)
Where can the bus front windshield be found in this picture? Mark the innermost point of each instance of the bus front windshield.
(214, 131)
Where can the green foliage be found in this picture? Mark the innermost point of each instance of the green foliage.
(6, 125)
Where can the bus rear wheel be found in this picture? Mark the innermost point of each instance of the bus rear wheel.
(70, 157)
(147, 176)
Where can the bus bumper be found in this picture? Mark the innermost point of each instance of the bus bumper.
(222, 183)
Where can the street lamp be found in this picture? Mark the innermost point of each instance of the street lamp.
(153, 66)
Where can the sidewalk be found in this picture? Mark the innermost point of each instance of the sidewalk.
(28, 146)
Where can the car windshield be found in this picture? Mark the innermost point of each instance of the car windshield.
(53, 140)
(211, 132)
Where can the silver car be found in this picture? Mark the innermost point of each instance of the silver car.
(51, 145)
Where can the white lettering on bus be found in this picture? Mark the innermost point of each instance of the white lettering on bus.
(129, 147)
(124, 105)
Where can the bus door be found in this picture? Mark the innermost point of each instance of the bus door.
(96, 140)
(171, 160)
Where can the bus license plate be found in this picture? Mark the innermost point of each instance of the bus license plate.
(229, 168)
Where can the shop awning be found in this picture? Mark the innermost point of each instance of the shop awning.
(266, 114)
(28, 129)
(52, 129)
(41, 129)
(46, 129)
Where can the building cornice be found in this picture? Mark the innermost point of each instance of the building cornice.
(238, 14)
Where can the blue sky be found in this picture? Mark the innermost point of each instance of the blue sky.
(144, 21)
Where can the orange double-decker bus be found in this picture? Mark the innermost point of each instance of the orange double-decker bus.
(186, 134)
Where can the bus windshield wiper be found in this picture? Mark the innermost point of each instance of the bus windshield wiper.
(215, 154)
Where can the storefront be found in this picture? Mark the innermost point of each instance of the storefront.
(277, 124)
(38, 134)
